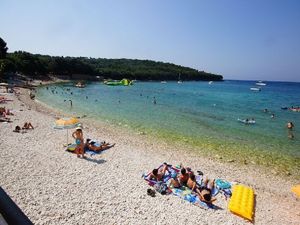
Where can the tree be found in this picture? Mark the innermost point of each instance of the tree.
(3, 48)
(3, 52)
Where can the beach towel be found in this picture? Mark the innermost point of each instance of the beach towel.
(224, 187)
(187, 195)
(72, 147)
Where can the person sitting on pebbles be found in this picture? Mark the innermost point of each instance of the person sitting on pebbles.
(181, 179)
(158, 174)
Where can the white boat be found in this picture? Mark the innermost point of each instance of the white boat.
(246, 121)
(80, 85)
(163, 82)
(210, 82)
(255, 89)
(260, 83)
(179, 80)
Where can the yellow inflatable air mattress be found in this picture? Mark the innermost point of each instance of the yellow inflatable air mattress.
(296, 190)
(242, 202)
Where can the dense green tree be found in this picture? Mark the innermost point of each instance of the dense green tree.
(3, 52)
(3, 49)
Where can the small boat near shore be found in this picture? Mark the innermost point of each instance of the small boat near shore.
(260, 83)
(255, 89)
(80, 85)
(179, 80)
(295, 109)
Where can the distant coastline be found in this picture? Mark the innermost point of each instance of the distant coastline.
(39, 66)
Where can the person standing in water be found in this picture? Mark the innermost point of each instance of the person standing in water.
(154, 100)
(290, 127)
(71, 103)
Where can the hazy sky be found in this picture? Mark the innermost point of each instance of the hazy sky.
(240, 39)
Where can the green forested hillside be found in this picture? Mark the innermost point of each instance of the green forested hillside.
(42, 65)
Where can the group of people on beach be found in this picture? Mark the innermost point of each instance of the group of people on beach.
(187, 178)
(81, 146)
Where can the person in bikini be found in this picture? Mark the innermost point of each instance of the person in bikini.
(78, 136)
(158, 174)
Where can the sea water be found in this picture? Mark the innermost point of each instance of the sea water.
(198, 114)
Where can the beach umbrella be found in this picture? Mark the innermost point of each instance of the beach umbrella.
(67, 123)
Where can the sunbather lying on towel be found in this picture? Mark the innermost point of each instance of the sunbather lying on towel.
(158, 174)
(205, 191)
(91, 146)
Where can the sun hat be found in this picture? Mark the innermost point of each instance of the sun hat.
(78, 128)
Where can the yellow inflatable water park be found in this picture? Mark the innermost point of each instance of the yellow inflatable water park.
(123, 82)
(242, 202)
(296, 190)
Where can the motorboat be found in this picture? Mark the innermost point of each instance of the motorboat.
(260, 83)
(179, 80)
(80, 85)
(255, 89)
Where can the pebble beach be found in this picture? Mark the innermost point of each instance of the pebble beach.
(52, 186)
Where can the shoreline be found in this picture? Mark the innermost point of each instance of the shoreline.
(116, 193)
(222, 150)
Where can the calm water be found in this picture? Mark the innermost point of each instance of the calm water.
(198, 114)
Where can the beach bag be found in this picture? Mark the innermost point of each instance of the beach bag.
(161, 187)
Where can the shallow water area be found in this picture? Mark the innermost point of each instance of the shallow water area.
(198, 114)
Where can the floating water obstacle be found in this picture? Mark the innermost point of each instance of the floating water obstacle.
(242, 202)
(123, 82)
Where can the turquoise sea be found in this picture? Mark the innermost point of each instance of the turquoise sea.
(198, 114)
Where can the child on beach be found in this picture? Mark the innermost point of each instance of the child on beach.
(78, 136)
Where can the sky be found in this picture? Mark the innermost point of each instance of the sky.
(239, 39)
